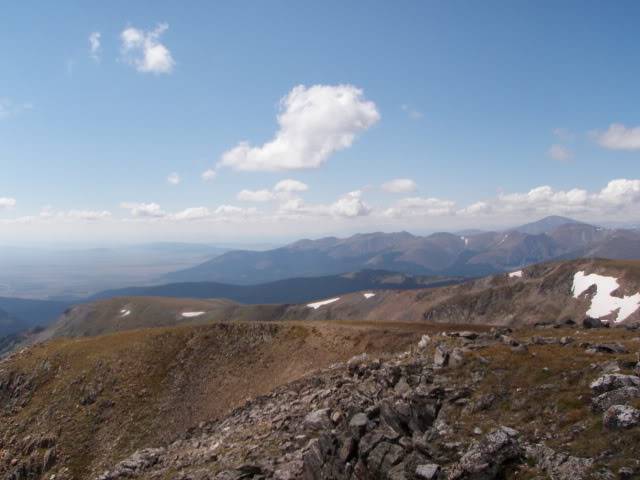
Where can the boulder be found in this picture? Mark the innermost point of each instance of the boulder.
(589, 322)
(487, 459)
(382, 458)
(441, 357)
(618, 396)
(613, 381)
(609, 348)
(558, 466)
(318, 419)
(619, 417)
(358, 424)
(427, 471)
(456, 358)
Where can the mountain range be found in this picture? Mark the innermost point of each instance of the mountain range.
(472, 255)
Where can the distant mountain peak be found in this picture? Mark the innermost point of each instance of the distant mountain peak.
(546, 225)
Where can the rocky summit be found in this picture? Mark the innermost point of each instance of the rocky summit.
(456, 405)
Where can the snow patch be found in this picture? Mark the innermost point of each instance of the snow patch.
(317, 305)
(517, 274)
(125, 312)
(192, 314)
(603, 303)
(368, 295)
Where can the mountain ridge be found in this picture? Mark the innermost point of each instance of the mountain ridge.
(440, 253)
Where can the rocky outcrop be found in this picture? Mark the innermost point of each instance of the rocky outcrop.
(383, 419)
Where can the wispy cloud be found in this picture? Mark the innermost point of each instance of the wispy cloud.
(411, 112)
(173, 178)
(8, 108)
(560, 153)
(94, 46)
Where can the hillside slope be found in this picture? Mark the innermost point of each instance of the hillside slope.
(74, 406)
(538, 294)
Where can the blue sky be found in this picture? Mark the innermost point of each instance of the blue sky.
(489, 112)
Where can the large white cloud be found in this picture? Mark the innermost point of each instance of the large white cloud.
(7, 202)
(144, 51)
(399, 185)
(314, 123)
(619, 137)
(136, 209)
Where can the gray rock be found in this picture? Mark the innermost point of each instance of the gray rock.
(486, 459)
(558, 466)
(619, 417)
(609, 348)
(441, 357)
(428, 471)
(456, 358)
(593, 323)
(618, 396)
(358, 424)
(382, 458)
(318, 419)
(612, 381)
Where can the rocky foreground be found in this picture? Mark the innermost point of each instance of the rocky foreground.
(555, 404)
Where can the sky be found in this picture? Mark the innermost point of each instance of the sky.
(270, 121)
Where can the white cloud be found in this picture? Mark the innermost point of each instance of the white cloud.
(314, 123)
(420, 207)
(616, 198)
(255, 195)
(412, 112)
(94, 46)
(209, 175)
(619, 137)
(192, 213)
(621, 192)
(144, 51)
(560, 153)
(152, 210)
(7, 202)
(399, 185)
(288, 185)
(173, 178)
(232, 212)
(477, 208)
(350, 206)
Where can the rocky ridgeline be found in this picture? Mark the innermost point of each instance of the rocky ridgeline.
(398, 419)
